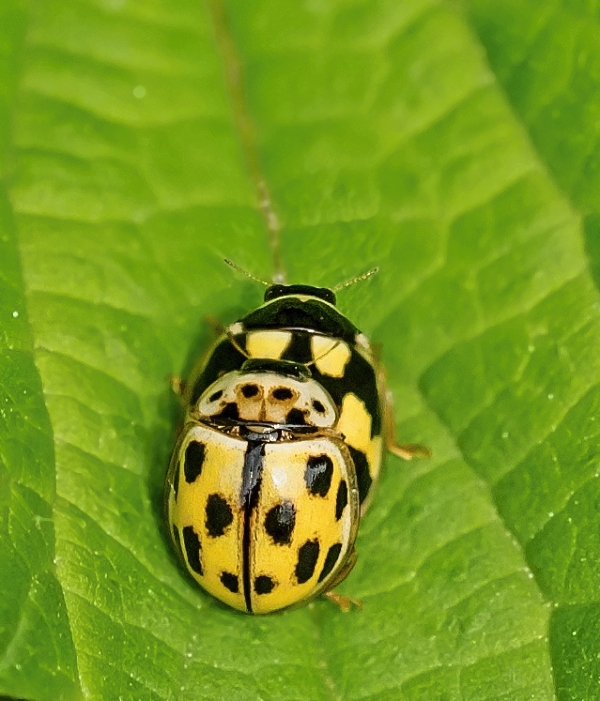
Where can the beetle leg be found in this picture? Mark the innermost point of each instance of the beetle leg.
(344, 602)
(377, 351)
(406, 451)
(346, 568)
(178, 386)
(217, 326)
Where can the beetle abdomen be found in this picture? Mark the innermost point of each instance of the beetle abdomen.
(262, 524)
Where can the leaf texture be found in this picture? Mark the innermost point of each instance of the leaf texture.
(139, 141)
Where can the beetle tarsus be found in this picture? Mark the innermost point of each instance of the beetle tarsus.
(345, 603)
(408, 451)
(178, 385)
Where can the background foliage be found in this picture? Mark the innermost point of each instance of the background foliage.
(456, 146)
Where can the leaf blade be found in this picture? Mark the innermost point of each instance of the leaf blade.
(392, 136)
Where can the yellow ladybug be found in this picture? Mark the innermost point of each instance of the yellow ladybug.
(283, 438)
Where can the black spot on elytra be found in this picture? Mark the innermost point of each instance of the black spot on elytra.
(191, 543)
(215, 395)
(280, 522)
(263, 584)
(230, 581)
(229, 411)
(332, 557)
(341, 500)
(307, 561)
(218, 515)
(249, 391)
(295, 417)
(363, 476)
(282, 393)
(319, 470)
(193, 461)
(318, 406)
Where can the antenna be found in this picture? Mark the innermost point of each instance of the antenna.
(235, 266)
(354, 280)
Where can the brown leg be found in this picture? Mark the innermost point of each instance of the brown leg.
(177, 384)
(217, 326)
(406, 451)
(344, 602)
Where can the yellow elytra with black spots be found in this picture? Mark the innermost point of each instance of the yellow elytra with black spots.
(280, 449)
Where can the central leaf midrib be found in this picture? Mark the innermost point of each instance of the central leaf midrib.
(246, 131)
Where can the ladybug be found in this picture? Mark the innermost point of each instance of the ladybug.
(286, 421)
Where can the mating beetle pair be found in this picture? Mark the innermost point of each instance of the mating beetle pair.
(285, 426)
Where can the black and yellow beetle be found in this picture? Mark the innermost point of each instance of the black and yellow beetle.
(285, 426)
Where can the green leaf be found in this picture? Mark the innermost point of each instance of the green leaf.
(135, 141)
(548, 63)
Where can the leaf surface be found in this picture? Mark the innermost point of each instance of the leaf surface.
(136, 141)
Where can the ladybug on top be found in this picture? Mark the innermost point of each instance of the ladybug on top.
(286, 422)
